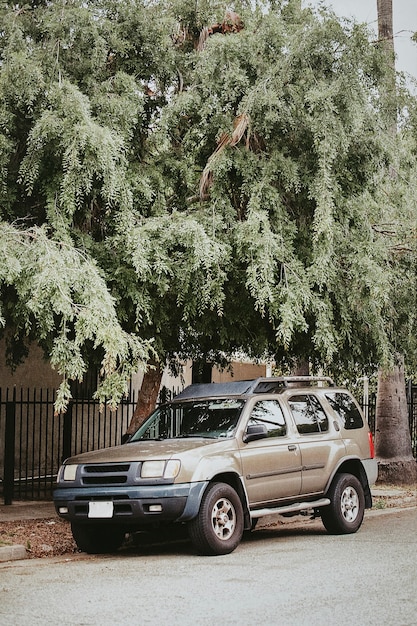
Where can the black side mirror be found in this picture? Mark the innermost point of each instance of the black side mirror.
(255, 431)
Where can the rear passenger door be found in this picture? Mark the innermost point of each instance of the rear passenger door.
(320, 442)
(271, 466)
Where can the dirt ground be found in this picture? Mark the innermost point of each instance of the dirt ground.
(40, 537)
(52, 536)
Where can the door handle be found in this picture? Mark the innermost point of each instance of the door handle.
(292, 448)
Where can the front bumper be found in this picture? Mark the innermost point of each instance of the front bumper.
(140, 506)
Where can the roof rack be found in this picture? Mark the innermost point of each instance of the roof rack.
(278, 383)
(246, 387)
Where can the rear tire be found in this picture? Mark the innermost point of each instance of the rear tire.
(218, 527)
(345, 512)
(97, 538)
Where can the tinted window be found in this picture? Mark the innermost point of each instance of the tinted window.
(206, 418)
(308, 414)
(269, 412)
(345, 407)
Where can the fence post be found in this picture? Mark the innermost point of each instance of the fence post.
(67, 434)
(9, 450)
(410, 400)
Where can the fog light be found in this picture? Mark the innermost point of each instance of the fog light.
(155, 508)
(63, 509)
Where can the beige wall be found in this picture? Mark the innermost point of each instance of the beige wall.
(34, 373)
(240, 371)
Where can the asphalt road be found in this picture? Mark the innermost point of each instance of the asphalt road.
(292, 575)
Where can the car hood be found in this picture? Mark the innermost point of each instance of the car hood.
(144, 450)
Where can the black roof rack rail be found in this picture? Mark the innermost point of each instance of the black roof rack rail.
(262, 385)
(246, 387)
(204, 390)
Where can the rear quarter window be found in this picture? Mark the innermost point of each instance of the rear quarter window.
(344, 405)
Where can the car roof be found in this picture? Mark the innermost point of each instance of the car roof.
(250, 387)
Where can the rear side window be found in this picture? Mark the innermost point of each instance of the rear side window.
(345, 407)
(308, 414)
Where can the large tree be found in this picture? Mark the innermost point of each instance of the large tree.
(287, 137)
(216, 173)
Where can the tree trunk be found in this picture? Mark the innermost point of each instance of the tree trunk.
(386, 39)
(148, 396)
(393, 441)
(385, 22)
(396, 464)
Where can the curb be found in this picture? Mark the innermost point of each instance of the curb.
(12, 553)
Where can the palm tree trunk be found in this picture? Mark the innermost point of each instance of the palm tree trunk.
(385, 22)
(393, 441)
(396, 464)
(386, 41)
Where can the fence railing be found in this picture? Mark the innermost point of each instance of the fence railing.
(34, 440)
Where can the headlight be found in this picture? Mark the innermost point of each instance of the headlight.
(160, 469)
(67, 472)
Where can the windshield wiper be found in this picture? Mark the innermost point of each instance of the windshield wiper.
(148, 439)
(195, 436)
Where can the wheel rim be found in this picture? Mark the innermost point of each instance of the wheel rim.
(350, 504)
(223, 519)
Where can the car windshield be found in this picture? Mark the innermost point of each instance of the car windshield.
(206, 418)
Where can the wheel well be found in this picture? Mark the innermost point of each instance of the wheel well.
(234, 481)
(355, 467)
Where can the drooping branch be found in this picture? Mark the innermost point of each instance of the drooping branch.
(232, 23)
(240, 126)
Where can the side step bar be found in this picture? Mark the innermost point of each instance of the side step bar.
(291, 508)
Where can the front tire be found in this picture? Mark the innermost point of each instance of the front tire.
(218, 527)
(345, 512)
(97, 538)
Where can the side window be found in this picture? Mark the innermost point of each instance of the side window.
(345, 407)
(308, 414)
(269, 412)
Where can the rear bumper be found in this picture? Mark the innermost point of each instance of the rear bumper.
(132, 506)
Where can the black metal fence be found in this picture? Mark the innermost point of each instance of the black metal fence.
(412, 415)
(34, 439)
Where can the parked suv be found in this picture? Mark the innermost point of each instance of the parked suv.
(219, 457)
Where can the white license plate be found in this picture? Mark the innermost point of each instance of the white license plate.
(100, 509)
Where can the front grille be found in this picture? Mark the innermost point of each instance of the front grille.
(106, 473)
(104, 480)
(101, 469)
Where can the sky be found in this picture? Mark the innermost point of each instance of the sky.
(405, 25)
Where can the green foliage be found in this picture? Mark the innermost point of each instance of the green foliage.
(63, 300)
(172, 176)
(298, 185)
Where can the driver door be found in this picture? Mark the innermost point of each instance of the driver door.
(272, 465)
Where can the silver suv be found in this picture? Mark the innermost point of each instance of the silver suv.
(219, 457)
